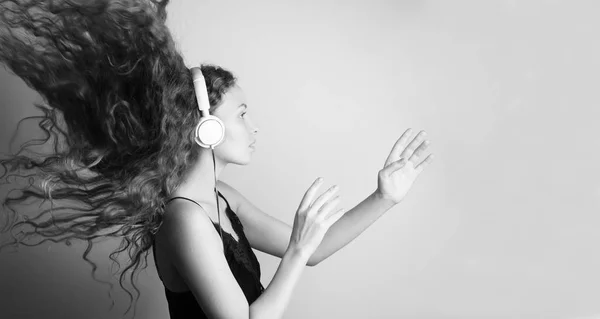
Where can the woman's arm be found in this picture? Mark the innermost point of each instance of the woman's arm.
(276, 297)
(270, 235)
(352, 224)
(195, 249)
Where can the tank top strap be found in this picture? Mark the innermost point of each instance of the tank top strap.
(225, 199)
(191, 200)
(235, 221)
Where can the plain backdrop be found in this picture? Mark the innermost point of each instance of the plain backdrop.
(504, 223)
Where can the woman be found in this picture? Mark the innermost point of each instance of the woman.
(128, 156)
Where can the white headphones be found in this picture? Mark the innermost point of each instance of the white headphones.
(210, 131)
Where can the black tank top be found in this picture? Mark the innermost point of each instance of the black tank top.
(242, 262)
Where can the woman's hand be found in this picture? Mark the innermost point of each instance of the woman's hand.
(313, 219)
(402, 167)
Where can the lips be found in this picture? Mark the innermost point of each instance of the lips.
(252, 145)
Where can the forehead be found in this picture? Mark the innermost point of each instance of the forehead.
(232, 99)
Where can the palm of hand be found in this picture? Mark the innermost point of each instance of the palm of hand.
(402, 166)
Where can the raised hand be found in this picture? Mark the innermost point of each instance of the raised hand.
(402, 166)
(313, 218)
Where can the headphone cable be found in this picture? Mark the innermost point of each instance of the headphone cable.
(217, 196)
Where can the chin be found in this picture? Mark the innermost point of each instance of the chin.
(243, 160)
(241, 163)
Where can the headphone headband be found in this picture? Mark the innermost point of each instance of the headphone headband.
(200, 88)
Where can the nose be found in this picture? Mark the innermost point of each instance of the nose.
(250, 123)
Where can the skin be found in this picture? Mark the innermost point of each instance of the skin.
(319, 230)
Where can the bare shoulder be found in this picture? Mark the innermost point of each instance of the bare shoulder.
(183, 221)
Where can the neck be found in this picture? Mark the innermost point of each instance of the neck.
(199, 183)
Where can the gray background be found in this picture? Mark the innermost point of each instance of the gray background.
(505, 222)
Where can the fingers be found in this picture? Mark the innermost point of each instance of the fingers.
(307, 199)
(329, 205)
(409, 150)
(333, 218)
(412, 154)
(418, 153)
(398, 146)
(419, 168)
(320, 201)
(394, 166)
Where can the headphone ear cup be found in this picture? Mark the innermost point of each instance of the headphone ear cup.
(209, 132)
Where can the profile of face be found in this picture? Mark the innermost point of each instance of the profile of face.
(240, 133)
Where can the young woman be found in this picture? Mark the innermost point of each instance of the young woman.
(128, 157)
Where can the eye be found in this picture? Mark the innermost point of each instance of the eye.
(242, 115)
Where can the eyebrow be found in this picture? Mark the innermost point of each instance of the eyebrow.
(243, 105)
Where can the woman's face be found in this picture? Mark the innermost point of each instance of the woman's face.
(237, 146)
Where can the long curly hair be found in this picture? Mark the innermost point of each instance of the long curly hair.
(119, 111)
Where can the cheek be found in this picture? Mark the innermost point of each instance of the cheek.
(236, 134)
(235, 140)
